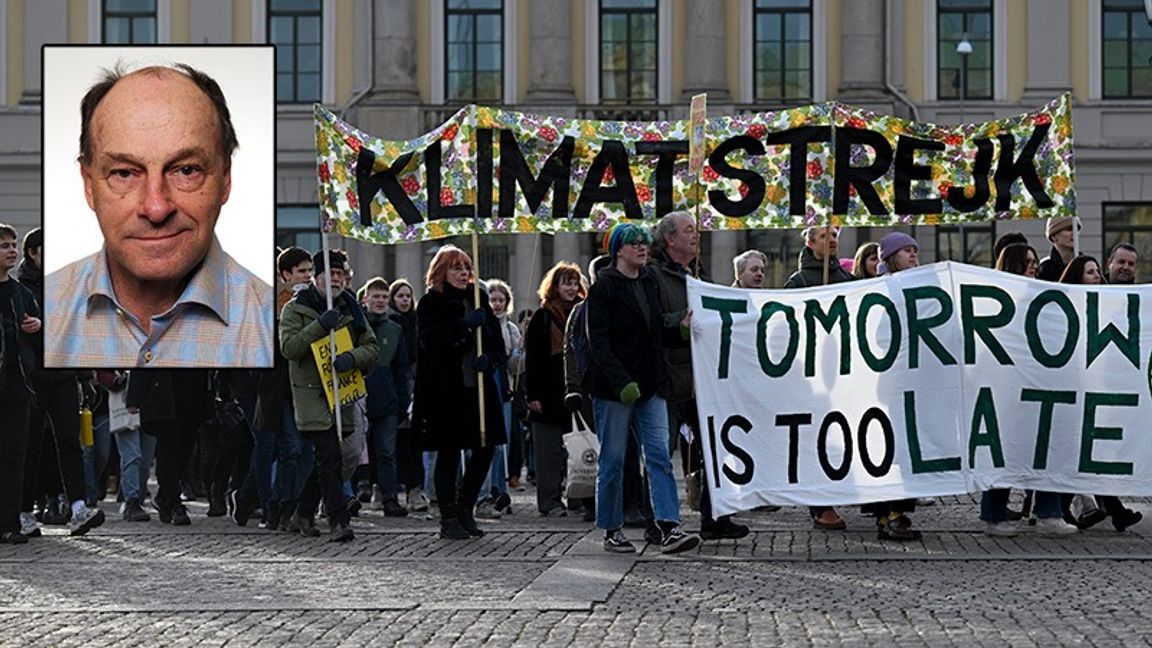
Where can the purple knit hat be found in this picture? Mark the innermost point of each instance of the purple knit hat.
(894, 242)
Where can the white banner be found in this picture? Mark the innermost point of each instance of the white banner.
(939, 380)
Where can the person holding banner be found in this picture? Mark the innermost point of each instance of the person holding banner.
(304, 321)
(675, 250)
(627, 382)
(818, 266)
(1021, 259)
(866, 260)
(898, 251)
(446, 411)
(1085, 270)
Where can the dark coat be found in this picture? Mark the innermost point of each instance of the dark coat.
(273, 390)
(626, 345)
(166, 394)
(671, 277)
(1051, 266)
(387, 382)
(446, 411)
(811, 272)
(407, 321)
(23, 303)
(544, 370)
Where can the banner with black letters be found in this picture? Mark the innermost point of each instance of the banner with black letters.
(938, 380)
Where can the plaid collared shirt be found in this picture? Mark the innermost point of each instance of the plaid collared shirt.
(224, 318)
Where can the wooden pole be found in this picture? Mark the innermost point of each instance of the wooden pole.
(479, 331)
(331, 337)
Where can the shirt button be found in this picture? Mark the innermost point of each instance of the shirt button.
(147, 356)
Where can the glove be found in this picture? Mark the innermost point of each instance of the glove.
(475, 318)
(573, 401)
(630, 394)
(329, 319)
(481, 363)
(344, 362)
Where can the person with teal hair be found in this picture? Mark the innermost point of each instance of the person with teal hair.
(628, 385)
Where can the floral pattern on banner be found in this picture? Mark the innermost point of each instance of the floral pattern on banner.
(338, 147)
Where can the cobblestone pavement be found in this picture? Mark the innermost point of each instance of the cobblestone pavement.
(536, 581)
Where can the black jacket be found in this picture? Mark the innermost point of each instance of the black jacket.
(544, 370)
(1051, 266)
(166, 394)
(627, 340)
(446, 408)
(671, 278)
(23, 303)
(811, 272)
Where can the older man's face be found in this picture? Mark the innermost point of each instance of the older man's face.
(157, 178)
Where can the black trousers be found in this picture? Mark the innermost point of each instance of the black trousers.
(56, 410)
(475, 471)
(325, 479)
(409, 458)
(16, 405)
(175, 439)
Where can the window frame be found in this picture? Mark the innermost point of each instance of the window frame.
(1110, 236)
(999, 54)
(132, 17)
(447, 70)
(294, 230)
(967, 232)
(1103, 67)
(782, 12)
(655, 11)
(965, 70)
(320, 12)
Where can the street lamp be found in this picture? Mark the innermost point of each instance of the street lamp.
(964, 48)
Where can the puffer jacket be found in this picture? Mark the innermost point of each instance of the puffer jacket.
(811, 272)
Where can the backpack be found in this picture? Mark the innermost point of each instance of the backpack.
(578, 340)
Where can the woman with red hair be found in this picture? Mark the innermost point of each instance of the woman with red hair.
(446, 408)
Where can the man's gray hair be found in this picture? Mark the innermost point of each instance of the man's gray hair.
(741, 261)
(666, 226)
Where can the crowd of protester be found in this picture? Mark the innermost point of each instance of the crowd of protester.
(610, 344)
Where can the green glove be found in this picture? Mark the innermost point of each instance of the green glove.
(630, 394)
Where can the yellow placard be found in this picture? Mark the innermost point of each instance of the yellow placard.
(352, 385)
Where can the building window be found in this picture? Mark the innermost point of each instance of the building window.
(474, 50)
(129, 21)
(1127, 50)
(628, 51)
(967, 244)
(1130, 223)
(294, 28)
(782, 58)
(298, 225)
(964, 76)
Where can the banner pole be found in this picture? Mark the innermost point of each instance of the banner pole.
(832, 171)
(479, 331)
(331, 337)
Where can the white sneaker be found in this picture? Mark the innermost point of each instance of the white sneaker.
(1054, 527)
(377, 503)
(29, 526)
(1004, 529)
(417, 500)
(86, 520)
(486, 511)
(925, 501)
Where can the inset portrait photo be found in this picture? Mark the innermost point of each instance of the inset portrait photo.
(159, 206)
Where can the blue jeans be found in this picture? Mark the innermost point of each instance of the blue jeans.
(994, 505)
(294, 465)
(137, 451)
(96, 457)
(382, 433)
(651, 420)
(259, 475)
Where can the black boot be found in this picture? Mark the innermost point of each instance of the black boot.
(465, 508)
(217, 507)
(450, 527)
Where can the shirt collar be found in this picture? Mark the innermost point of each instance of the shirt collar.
(207, 287)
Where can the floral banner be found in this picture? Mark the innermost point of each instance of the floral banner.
(498, 171)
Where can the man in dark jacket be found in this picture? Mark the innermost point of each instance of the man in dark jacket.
(387, 392)
(19, 321)
(305, 320)
(675, 249)
(819, 253)
(172, 406)
(1059, 232)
